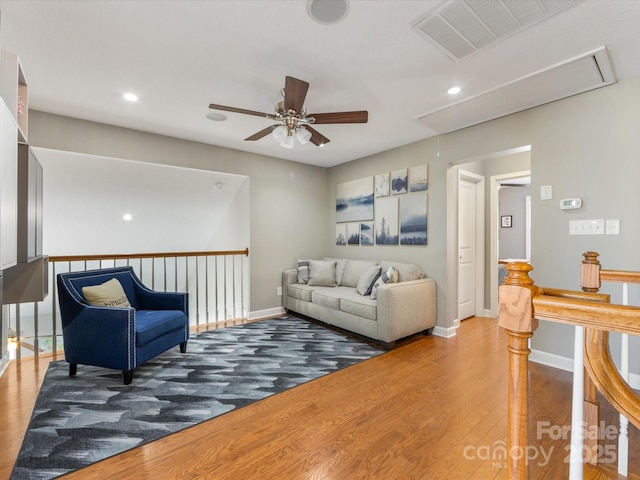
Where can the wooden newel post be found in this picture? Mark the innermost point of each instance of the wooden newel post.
(590, 272)
(516, 317)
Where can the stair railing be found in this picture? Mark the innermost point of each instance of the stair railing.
(217, 282)
(522, 304)
(591, 278)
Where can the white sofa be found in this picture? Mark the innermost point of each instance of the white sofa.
(338, 292)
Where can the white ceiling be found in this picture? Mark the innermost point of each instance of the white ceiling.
(180, 56)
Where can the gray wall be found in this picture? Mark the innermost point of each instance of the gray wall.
(512, 240)
(287, 200)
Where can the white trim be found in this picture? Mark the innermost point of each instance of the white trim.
(444, 332)
(266, 313)
(566, 364)
(479, 181)
(4, 363)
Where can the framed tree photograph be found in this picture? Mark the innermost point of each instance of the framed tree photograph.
(353, 234)
(413, 219)
(341, 233)
(387, 221)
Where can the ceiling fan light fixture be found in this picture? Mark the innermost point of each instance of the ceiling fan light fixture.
(280, 133)
(303, 135)
(287, 142)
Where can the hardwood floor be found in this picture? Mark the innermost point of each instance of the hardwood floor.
(431, 408)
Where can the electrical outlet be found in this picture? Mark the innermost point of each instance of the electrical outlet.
(279, 291)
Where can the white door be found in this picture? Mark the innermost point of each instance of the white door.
(466, 248)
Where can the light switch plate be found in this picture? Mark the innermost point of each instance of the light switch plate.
(612, 227)
(586, 227)
(546, 192)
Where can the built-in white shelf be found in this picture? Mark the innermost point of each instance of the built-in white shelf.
(14, 90)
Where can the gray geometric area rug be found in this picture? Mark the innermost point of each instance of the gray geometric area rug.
(83, 419)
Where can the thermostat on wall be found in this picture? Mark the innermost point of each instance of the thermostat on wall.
(570, 203)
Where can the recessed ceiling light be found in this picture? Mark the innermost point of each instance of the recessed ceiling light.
(327, 12)
(217, 117)
(130, 97)
(127, 217)
(454, 90)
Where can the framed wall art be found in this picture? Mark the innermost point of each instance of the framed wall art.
(413, 219)
(354, 200)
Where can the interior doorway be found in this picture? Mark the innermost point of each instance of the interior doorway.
(520, 208)
(471, 207)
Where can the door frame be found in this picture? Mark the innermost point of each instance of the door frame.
(494, 186)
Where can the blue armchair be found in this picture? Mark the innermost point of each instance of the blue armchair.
(119, 337)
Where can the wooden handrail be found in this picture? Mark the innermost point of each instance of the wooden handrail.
(604, 373)
(128, 256)
(522, 304)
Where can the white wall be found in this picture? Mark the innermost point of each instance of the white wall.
(174, 209)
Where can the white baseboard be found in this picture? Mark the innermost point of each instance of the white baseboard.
(266, 313)
(4, 363)
(566, 364)
(444, 332)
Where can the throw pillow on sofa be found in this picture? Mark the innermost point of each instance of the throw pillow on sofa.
(367, 280)
(388, 276)
(353, 270)
(321, 273)
(303, 271)
(108, 294)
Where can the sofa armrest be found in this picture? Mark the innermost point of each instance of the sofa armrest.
(406, 308)
(153, 300)
(289, 276)
(103, 336)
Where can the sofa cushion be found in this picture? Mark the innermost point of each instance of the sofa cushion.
(386, 276)
(322, 273)
(356, 304)
(406, 271)
(303, 271)
(329, 297)
(299, 291)
(107, 294)
(367, 279)
(341, 263)
(153, 324)
(354, 270)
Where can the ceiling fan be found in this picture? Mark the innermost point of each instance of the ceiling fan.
(293, 119)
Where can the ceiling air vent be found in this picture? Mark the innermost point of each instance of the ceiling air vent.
(461, 27)
(571, 77)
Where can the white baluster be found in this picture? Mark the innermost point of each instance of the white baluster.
(623, 436)
(577, 408)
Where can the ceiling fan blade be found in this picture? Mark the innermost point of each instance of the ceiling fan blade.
(316, 137)
(238, 110)
(360, 116)
(295, 91)
(262, 133)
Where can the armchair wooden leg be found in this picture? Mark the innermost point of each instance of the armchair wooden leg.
(73, 369)
(183, 347)
(127, 376)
